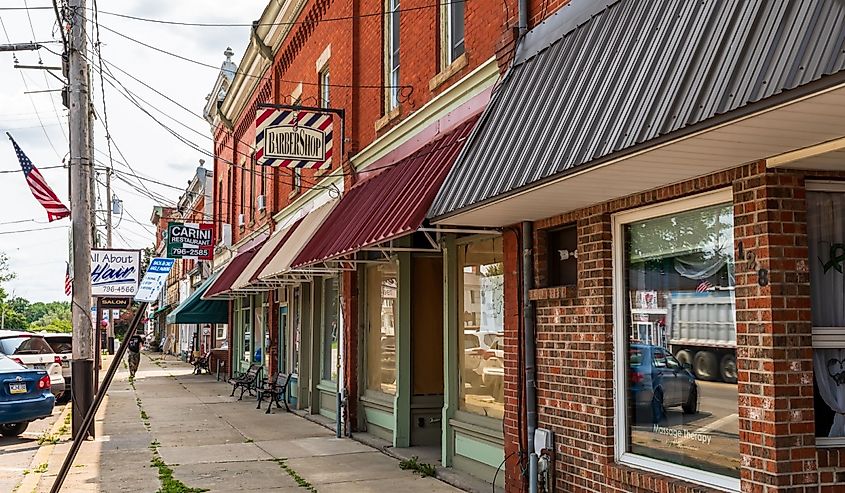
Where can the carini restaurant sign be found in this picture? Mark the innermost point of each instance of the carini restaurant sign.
(293, 138)
(190, 240)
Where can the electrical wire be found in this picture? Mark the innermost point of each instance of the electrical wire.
(98, 49)
(40, 168)
(32, 230)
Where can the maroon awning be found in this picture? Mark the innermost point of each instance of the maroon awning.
(392, 202)
(231, 272)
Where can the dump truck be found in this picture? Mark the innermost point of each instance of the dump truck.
(702, 332)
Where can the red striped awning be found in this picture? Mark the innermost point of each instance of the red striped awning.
(392, 202)
(230, 273)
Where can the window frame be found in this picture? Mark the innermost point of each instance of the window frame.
(827, 337)
(392, 19)
(448, 16)
(620, 347)
(324, 83)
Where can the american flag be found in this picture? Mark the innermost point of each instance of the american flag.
(68, 283)
(704, 286)
(40, 190)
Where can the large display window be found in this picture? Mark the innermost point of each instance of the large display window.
(381, 318)
(675, 340)
(481, 311)
(331, 319)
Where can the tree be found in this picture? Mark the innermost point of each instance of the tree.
(55, 317)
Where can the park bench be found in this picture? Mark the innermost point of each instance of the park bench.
(245, 381)
(201, 363)
(274, 389)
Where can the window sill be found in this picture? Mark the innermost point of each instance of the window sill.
(327, 386)
(387, 118)
(293, 193)
(378, 400)
(448, 72)
(634, 469)
(555, 293)
(482, 427)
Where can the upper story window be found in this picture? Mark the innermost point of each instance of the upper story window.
(391, 53)
(453, 30)
(325, 85)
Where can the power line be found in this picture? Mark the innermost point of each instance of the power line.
(32, 230)
(25, 8)
(40, 168)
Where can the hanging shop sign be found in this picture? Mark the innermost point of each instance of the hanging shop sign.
(154, 279)
(114, 302)
(190, 240)
(115, 272)
(291, 138)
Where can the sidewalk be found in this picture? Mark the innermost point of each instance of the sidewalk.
(172, 431)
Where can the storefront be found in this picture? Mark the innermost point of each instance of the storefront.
(194, 313)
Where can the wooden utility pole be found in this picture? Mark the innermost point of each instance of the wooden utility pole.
(81, 171)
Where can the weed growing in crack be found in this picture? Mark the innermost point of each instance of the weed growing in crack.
(169, 484)
(423, 469)
(41, 469)
(302, 482)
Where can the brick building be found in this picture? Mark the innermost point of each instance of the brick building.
(672, 173)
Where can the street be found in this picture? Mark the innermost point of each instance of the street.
(18, 453)
(170, 427)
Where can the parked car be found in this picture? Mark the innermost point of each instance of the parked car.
(659, 381)
(32, 351)
(493, 369)
(62, 344)
(24, 396)
(482, 355)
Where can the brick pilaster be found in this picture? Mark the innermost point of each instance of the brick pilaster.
(774, 334)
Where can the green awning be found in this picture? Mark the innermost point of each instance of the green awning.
(157, 311)
(196, 310)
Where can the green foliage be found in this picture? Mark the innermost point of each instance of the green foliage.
(6, 273)
(423, 469)
(302, 482)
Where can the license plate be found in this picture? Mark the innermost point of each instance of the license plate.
(39, 366)
(17, 388)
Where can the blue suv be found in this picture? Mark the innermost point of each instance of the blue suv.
(659, 381)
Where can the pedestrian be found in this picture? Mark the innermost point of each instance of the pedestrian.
(134, 346)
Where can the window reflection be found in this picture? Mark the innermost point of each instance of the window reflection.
(481, 308)
(381, 319)
(681, 332)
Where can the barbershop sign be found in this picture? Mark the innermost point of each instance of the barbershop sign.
(293, 138)
(190, 240)
(115, 272)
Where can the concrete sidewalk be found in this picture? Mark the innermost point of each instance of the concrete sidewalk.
(172, 431)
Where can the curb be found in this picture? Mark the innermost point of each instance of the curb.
(31, 480)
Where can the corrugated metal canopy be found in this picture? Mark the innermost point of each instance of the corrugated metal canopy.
(391, 203)
(634, 71)
(230, 273)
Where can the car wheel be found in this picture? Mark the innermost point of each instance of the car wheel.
(63, 398)
(705, 365)
(658, 410)
(727, 368)
(13, 429)
(684, 357)
(691, 405)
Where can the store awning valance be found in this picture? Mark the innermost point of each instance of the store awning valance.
(161, 309)
(278, 263)
(390, 203)
(247, 280)
(195, 310)
(222, 286)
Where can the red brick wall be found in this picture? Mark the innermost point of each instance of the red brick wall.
(575, 348)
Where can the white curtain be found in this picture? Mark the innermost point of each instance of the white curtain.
(826, 232)
(829, 366)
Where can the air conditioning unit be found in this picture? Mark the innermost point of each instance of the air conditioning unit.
(241, 220)
(226, 235)
(262, 202)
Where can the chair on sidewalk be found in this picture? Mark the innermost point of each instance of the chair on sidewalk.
(201, 363)
(245, 381)
(275, 389)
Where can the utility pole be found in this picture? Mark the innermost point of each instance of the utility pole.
(108, 204)
(81, 170)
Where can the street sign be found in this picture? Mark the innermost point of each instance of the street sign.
(292, 138)
(190, 240)
(154, 279)
(115, 272)
(110, 302)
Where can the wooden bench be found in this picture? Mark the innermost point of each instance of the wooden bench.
(245, 381)
(275, 389)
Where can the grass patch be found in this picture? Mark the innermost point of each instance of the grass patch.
(249, 440)
(169, 484)
(302, 482)
(41, 469)
(48, 438)
(423, 469)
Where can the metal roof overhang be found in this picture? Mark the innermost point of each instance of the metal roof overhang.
(196, 310)
(802, 128)
(391, 203)
(276, 270)
(222, 287)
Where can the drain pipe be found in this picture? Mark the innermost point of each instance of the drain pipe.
(523, 17)
(530, 349)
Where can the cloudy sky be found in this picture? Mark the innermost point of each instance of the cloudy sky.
(38, 122)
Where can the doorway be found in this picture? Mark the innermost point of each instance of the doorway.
(426, 350)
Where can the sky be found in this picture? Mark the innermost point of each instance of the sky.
(38, 122)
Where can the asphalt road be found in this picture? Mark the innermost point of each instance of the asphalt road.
(16, 454)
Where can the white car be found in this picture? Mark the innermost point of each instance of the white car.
(62, 344)
(32, 351)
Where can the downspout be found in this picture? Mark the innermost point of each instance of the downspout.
(523, 18)
(530, 348)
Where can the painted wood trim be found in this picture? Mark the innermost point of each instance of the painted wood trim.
(450, 349)
(402, 402)
(479, 450)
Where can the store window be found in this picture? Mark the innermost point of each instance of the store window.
(676, 340)
(245, 340)
(826, 242)
(261, 334)
(330, 329)
(381, 327)
(296, 333)
(481, 310)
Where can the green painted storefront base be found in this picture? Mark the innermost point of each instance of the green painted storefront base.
(328, 400)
